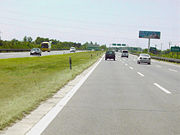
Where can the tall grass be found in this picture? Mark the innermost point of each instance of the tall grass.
(25, 82)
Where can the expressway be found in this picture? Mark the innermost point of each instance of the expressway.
(27, 54)
(123, 98)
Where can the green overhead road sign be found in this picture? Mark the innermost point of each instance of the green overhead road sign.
(114, 44)
(118, 44)
(123, 44)
(175, 49)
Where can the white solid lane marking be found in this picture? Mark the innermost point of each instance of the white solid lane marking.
(172, 70)
(163, 89)
(131, 68)
(47, 119)
(126, 64)
(140, 74)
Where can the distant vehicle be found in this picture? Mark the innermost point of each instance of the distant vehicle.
(144, 58)
(72, 49)
(35, 51)
(46, 46)
(92, 50)
(110, 55)
(124, 53)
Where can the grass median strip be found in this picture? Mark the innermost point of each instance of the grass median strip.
(25, 82)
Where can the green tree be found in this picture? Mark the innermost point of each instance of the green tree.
(29, 39)
(25, 38)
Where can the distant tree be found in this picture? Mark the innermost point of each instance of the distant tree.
(91, 43)
(103, 47)
(29, 39)
(145, 50)
(14, 40)
(25, 38)
(39, 40)
(1, 42)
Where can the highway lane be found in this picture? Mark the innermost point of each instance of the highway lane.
(27, 54)
(124, 98)
(166, 74)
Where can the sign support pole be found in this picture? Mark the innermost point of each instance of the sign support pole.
(148, 44)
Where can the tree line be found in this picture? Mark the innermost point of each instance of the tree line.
(28, 43)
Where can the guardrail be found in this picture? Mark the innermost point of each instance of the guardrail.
(166, 59)
(162, 58)
(23, 50)
(14, 50)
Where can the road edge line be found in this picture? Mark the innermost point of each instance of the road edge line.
(40, 126)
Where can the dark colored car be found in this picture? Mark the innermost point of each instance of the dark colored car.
(110, 55)
(35, 51)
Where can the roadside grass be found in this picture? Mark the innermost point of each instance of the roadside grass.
(26, 82)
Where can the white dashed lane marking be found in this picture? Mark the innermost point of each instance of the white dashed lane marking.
(172, 70)
(140, 74)
(163, 89)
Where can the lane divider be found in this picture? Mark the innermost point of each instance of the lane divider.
(131, 68)
(126, 64)
(140, 74)
(163, 89)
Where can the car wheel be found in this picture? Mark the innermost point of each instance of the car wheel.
(149, 63)
(138, 62)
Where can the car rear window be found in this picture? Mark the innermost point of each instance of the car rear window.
(110, 52)
(125, 51)
(145, 55)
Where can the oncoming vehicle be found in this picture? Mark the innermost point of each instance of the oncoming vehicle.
(124, 53)
(72, 49)
(144, 58)
(46, 46)
(35, 51)
(110, 55)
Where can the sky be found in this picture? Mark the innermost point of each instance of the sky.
(101, 21)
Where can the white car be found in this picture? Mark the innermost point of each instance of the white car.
(124, 53)
(72, 49)
(144, 58)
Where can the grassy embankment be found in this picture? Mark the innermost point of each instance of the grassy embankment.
(25, 82)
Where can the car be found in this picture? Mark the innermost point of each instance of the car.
(124, 53)
(110, 55)
(144, 58)
(72, 49)
(35, 51)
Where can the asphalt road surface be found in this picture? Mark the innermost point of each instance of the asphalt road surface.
(123, 98)
(27, 54)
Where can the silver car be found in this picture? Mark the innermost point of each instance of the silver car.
(72, 49)
(144, 58)
(35, 51)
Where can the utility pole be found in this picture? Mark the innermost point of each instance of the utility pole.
(148, 44)
(169, 45)
(161, 48)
